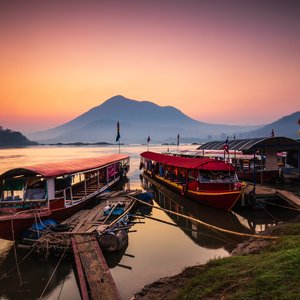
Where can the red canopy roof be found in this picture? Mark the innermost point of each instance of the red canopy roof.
(188, 163)
(66, 167)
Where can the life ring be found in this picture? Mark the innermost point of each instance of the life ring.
(184, 189)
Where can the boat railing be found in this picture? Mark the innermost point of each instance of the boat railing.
(68, 194)
(17, 202)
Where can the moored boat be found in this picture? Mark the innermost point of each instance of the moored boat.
(59, 189)
(209, 181)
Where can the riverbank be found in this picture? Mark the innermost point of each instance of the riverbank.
(257, 269)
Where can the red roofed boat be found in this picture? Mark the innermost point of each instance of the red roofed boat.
(57, 190)
(209, 181)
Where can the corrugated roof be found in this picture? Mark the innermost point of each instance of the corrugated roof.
(55, 169)
(188, 163)
(252, 145)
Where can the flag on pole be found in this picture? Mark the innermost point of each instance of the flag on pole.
(226, 146)
(178, 139)
(148, 139)
(272, 133)
(118, 132)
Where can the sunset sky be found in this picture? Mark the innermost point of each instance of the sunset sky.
(232, 62)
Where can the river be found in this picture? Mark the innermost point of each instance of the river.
(156, 248)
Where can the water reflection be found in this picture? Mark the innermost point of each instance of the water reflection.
(30, 280)
(200, 234)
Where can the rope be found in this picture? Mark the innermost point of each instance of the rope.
(268, 213)
(193, 230)
(283, 206)
(62, 286)
(11, 270)
(209, 225)
(53, 273)
(15, 249)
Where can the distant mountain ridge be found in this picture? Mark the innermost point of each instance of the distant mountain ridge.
(286, 126)
(138, 120)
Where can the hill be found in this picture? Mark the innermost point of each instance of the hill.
(286, 126)
(13, 138)
(138, 119)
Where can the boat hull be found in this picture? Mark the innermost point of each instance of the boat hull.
(12, 226)
(223, 200)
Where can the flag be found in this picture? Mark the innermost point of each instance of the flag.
(178, 139)
(118, 132)
(148, 139)
(272, 133)
(226, 146)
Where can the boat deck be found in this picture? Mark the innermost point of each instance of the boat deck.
(88, 221)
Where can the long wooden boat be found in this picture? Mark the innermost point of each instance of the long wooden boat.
(32, 193)
(209, 181)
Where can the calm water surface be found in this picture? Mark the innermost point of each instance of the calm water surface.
(156, 249)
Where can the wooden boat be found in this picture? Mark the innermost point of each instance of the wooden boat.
(32, 193)
(208, 181)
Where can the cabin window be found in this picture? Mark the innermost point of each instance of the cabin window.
(217, 176)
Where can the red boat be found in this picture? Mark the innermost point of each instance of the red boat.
(209, 181)
(30, 194)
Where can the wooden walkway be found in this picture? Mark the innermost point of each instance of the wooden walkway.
(91, 265)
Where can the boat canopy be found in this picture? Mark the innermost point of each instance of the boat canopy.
(250, 146)
(188, 163)
(67, 167)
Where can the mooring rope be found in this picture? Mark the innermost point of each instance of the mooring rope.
(279, 205)
(12, 269)
(207, 224)
(15, 249)
(54, 272)
(222, 238)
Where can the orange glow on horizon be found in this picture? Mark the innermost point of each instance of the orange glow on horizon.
(58, 61)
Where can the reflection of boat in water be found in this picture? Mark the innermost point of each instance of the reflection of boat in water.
(202, 235)
(268, 216)
(34, 276)
(208, 181)
(55, 190)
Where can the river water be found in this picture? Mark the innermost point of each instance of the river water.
(159, 246)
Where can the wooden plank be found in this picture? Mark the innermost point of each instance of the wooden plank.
(81, 220)
(97, 273)
(83, 287)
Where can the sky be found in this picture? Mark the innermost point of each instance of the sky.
(229, 62)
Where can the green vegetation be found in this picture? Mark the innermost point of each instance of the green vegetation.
(274, 273)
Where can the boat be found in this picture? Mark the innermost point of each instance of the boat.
(209, 181)
(29, 194)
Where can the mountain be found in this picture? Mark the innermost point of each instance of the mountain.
(13, 138)
(286, 126)
(138, 119)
